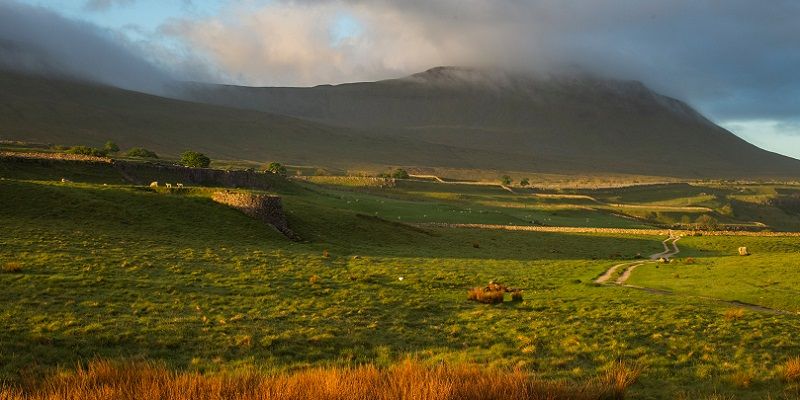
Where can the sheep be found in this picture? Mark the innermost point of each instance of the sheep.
(65, 180)
(743, 251)
(180, 185)
(169, 185)
(154, 184)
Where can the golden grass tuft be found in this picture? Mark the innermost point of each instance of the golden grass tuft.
(314, 279)
(791, 370)
(742, 379)
(733, 314)
(12, 267)
(618, 377)
(482, 295)
(104, 380)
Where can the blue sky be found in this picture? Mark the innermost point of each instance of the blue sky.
(735, 60)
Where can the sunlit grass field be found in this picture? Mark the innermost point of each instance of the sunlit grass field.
(121, 272)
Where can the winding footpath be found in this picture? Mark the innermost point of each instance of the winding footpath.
(668, 252)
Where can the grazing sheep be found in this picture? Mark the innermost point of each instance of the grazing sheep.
(65, 180)
(169, 185)
(743, 251)
(154, 184)
(180, 185)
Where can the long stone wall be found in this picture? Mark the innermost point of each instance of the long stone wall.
(620, 231)
(144, 173)
(259, 206)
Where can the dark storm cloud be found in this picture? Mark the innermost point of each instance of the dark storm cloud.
(38, 40)
(736, 58)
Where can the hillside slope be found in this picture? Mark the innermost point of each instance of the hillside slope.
(59, 111)
(558, 122)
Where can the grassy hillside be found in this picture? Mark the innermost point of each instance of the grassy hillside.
(125, 272)
(558, 123)
(34, 108)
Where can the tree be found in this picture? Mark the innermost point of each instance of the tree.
(706, 222)
(506, 180)
(140, 153)
(111, 147)
(524, 182)
(276, 168)
(400, 174)
(194, 159)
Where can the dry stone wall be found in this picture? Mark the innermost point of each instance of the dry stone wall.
(259, 206)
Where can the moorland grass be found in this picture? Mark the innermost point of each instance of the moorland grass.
(117, 272)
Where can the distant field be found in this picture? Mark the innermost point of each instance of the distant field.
(122, 272)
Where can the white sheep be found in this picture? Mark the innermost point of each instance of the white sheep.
(154, 184)
(169, 185)
(65, 180)
(180, 185)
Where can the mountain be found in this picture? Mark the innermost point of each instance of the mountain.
(69, 112)
(446, 117)
(554, 123)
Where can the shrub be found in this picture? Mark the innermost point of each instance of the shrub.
(12, 267)
(733, 314)
(400, 174)
(706, 222)
(524, 182)
(111, 147)
(276, 168)
(141, 153)
(86, 151)
(506, 180)
(791, 370)
(194, 159)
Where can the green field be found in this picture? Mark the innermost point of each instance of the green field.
(111, 270)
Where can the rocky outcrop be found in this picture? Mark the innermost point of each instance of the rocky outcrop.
(259, 206)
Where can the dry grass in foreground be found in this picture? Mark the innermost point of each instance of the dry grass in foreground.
(104, 380)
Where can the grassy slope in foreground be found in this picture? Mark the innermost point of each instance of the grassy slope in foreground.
(119, 272)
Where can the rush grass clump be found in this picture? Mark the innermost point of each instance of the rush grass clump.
(791, 370)
(733, 314)
(493, 293)
(103, 380)
(12, 267)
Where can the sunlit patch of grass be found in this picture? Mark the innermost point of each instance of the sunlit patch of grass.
(733, 314)
(405, 380)
(12, 267)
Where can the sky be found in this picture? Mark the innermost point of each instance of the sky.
(736, 61)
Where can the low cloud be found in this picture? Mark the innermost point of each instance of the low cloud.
(37, 40)
(734, 58)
